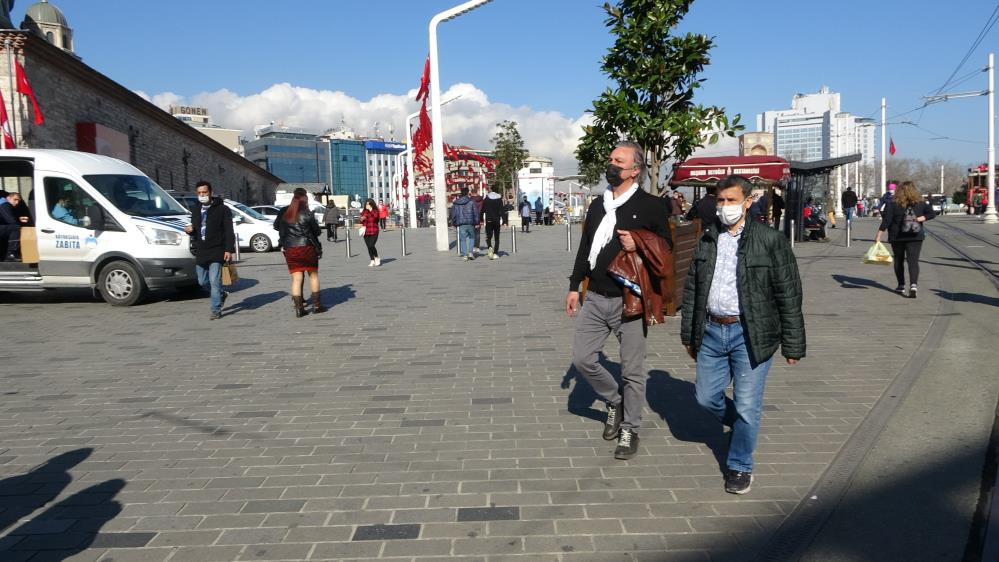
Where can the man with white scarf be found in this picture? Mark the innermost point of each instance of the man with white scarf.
(606, 232)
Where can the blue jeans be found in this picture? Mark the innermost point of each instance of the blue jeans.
(724, 357)
(849, 213)
(210, 277)
(466, 239)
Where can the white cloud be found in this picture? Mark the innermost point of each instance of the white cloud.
(469, 120)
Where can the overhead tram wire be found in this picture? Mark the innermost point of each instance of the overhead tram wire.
(989, 24)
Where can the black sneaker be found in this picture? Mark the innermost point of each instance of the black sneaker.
(225, 295)
(900, 289)
(613, 424)
(216, 316)
(738, 482)
(912, 291)
(627, 445)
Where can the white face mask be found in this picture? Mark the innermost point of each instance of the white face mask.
(203, 199)
(730, 214)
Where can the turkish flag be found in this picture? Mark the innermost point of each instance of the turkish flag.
(24, 87)
(424, 81)
(8, 139)
(891, 147)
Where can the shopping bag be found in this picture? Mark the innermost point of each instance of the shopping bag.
(361, 230)
(229, 274)
(877, 254)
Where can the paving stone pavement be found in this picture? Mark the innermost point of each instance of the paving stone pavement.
(431, 414)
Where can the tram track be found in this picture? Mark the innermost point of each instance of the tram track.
(985, 269)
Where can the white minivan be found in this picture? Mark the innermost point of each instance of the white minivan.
(98, 222)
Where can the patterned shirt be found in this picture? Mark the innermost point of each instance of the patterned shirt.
(723, 297)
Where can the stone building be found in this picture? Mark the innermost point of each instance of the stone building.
(85, 110)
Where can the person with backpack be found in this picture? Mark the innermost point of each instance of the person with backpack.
(903, 220)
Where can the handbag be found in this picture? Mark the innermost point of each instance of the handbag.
(909, 223)
(361, 230)
(229, 274)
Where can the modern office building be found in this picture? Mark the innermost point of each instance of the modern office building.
(348, 162)
(815, 129)
(380, 158)
(294, 155)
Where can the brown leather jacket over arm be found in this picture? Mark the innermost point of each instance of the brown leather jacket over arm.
(650, 267)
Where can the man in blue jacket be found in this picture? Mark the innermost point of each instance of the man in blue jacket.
(465, 216)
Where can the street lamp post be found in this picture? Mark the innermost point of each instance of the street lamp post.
(409, 161)
(440, 196)
(990, 212)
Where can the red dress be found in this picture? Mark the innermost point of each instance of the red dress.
(301, 258)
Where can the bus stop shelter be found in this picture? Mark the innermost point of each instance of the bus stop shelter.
(808, 180)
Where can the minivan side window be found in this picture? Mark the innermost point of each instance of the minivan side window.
(67, 202)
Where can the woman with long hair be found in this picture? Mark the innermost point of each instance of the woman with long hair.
(369, 218)
(903, 219)
(299, 234)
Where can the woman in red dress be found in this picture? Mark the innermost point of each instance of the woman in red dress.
(300, 241)
(369, 218)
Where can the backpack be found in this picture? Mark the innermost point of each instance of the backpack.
(909, 223)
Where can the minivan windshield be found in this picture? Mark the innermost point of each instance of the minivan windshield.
(138, 196)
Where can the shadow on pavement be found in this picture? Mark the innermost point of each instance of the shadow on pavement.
(23, 494)
(673, 399)
(337, 295)
(848, 282)
(254, 302)
(581, 398)
(966, 297)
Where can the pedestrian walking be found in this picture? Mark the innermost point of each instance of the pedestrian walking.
(525, 215)
(608, 230)
(903, 220)
(332, 219)
(539, 211)
(704, 209)
(492, 213)
(370, 220)
(477, 199)
(465, 217)
(849, 202)
(299, 234)
(383, 213)
(741, 301)
(213, 242)
(778, 208)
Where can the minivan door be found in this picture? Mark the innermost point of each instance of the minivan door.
(69, 240)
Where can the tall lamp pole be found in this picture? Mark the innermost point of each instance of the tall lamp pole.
(884, 149)
(440, 195)
(409, 161)
(990, 212)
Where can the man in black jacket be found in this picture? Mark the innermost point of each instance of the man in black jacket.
(704, 209)
(492, 215)
(849, 202)
(742, 301)
(609, 220)
(213, 242)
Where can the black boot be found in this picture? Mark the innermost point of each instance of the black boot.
(317, 305)
(299, 306)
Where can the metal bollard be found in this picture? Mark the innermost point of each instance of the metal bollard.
(237, 249)
(849, 233)
(568, 237)
(347, 238)
(793, 234)
(402, 237)
(513, 239)
(457, 241)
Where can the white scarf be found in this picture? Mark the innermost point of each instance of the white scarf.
(608, 224)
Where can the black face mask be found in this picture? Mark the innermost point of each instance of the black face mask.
(613, 175)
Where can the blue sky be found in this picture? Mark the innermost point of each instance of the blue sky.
(543, 55)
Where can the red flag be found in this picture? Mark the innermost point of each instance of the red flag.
(891, 146)
(8, 139)
(24, 87)
(424, 81)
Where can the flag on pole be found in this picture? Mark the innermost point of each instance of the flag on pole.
(8, 138)
(891, 147)
(24, 87)
(424, 81)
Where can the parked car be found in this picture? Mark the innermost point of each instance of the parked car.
(254, 230)
(267, 210)
(188, 200)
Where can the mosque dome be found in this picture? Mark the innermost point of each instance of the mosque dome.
(44, 12)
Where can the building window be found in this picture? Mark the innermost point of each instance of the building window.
(49, 37)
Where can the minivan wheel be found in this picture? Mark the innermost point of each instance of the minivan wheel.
(260, 243)
(120, 284)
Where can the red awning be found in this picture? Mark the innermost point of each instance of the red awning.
(710, 170)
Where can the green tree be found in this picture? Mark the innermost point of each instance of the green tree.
(656, 75)
(509, 151)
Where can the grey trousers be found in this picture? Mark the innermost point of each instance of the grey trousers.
(599, 317)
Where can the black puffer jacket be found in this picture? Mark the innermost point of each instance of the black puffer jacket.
(303, 232)
(894, 216)
(769, 292)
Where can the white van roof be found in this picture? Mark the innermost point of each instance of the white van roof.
(71, 161)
